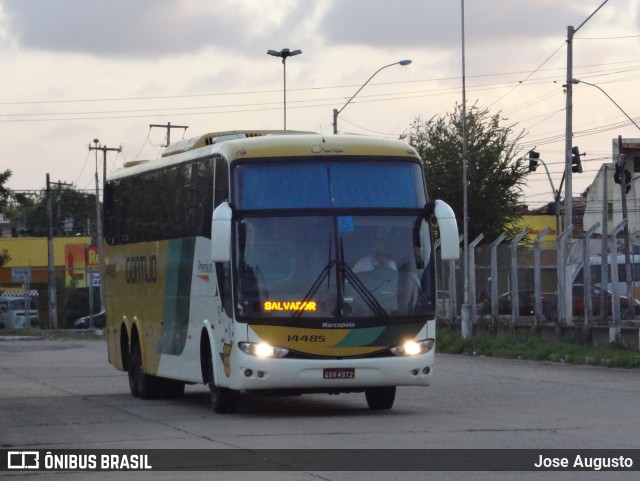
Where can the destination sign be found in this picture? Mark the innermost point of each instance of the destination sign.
(289, 306)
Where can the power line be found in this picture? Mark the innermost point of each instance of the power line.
(330, 87)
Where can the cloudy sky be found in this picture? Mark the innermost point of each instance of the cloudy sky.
(76, 70)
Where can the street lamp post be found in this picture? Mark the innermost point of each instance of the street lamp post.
(466, 322)
(284, 54)
(576, 81)
(336, 112)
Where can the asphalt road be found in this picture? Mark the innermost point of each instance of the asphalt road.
(63, 394)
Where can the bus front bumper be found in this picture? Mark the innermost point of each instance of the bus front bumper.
(253, 373)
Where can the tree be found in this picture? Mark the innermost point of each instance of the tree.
(67, 203)
(5, 195)
(495, 173)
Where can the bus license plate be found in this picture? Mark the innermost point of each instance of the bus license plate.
(339, 373)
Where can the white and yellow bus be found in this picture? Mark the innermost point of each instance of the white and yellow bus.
(273, 262)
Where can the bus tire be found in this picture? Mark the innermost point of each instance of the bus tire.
(131, 371)
(223, 400)
(380, 398)
(145, 386)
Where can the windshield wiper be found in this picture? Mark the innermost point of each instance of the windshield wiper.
(324, 273)
(369, 299)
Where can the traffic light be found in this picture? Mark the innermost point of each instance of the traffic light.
(533, 160)
(576, 163)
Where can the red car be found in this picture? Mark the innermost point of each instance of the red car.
(550, 303)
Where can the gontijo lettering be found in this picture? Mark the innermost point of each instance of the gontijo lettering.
(141, 270)
(289, 306)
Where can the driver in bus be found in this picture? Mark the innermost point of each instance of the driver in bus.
(379, 274)
(379, 257)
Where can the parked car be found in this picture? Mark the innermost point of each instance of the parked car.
(526, 303)
(550, 304)
(99, 321)
(14, 314)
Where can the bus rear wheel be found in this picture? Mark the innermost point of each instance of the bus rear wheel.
(380, 398)
(144, 386)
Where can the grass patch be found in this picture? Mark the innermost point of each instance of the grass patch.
(569, 350)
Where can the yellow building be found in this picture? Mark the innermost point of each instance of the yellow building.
(33, 253)
(536, 224)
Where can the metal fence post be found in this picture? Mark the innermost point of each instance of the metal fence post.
(472, 277)
(537, 280)
(494, 279)
(587, 281)
(614, 332)
(445, 304)
(515, 291)
(453, 290)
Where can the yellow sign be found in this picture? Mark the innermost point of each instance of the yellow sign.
(92, 256)
(78, 258)
(75, 265)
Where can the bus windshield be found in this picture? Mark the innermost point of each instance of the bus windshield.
(343, 266)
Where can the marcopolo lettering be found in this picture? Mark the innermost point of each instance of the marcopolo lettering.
(141, 270)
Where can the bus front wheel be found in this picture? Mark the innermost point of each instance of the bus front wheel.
(223, 400)
(380, 398)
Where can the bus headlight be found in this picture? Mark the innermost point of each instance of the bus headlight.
(413, 348)
(262, 349)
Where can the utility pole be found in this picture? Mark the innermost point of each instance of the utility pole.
(568, 164)
(604, 270)
(568, 139)
(53, 309)
(104, 150)
(169, 127)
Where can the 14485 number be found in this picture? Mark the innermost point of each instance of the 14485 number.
(306, 338)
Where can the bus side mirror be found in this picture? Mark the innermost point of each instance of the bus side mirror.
(449, 242)
(221, 233)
